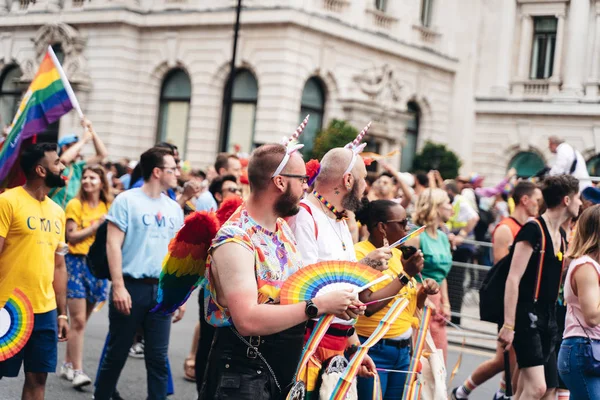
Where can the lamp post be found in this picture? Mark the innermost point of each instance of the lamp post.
(227, 98)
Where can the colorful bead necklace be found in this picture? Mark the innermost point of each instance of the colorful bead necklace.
(339, 215)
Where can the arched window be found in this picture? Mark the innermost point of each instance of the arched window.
(313, 103)
(527, 163)
(175, 97)
(10, 94)
(240, 130)
(593, 165)
(411, 137)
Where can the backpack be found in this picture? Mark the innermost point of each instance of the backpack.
(97, 259)
(491, 294)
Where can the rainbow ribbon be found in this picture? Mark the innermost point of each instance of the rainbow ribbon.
(377, 395)
(412, 387)
(345, 381)
(406, 238)
(311, 346)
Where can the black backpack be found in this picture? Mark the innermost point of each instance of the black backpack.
(97, 259)
(491, 293)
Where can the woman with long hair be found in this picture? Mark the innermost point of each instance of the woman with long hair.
(386, 222)
(434, 209)
(84, 214)
(582, 323)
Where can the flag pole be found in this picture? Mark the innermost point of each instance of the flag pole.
(65, 81)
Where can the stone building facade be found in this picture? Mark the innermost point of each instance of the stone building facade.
(492, 79)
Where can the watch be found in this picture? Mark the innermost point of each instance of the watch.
(311, 310)
(404, 279)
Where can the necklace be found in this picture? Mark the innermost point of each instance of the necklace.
(339, 235)
(339, 215)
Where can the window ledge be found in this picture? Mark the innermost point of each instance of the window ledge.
(382, 20)
(536, 88)
(335, 5)
(426, 34)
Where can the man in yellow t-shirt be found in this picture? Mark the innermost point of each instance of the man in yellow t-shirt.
(32, 236)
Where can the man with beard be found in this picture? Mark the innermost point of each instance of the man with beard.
(32, 245)
(251, 257)
(142, 222)
(323, 235)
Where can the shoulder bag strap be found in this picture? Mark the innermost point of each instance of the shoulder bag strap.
(308, 210)
(538, 279)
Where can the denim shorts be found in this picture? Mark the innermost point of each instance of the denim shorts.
(39, 354)
(571, 359)
(82, 284)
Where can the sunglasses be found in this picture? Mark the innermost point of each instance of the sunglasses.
(402, 222)
(303, 178)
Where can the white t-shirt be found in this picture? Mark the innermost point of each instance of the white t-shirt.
(328, 245)
(563, 161)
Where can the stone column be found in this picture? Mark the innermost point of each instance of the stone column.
(555, 79)
(505, 48)
(576, 41)
(591, 87)
(524, 55)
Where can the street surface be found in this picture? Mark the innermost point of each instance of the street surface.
(132, 384)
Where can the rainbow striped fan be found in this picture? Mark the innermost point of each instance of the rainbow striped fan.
(324, 277)
(16, 324)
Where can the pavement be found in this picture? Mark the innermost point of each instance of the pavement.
(132, 384)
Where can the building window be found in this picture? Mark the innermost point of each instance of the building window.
(593, 166)
(426, 12)
(173, 117)
(411, 137)
(240, 130)
(544, 42)
(10, 94)
(313, 103)
(381, 5)
(527, 164)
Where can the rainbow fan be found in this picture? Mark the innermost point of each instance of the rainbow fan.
(327, 276)
(16, 324)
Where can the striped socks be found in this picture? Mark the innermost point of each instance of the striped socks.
(465, 390)
(563, 394)
(502, 391)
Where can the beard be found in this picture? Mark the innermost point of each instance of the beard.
(287, 204)
(53, 180)
(351, 200)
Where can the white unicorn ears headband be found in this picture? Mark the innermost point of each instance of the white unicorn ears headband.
(291, 145)
(356, 147)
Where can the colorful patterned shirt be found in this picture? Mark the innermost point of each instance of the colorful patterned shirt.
(276, 258)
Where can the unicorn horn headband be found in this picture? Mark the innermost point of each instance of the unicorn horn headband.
(356, 147)
(291, 145)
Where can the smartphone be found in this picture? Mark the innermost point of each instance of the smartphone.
(407, 251)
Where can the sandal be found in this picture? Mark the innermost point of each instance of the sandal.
(189, 369)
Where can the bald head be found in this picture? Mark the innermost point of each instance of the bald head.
(333, 165)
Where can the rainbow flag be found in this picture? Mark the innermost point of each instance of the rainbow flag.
(46, 100)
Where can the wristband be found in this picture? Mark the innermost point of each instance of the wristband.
(509, 327)
(63, 317)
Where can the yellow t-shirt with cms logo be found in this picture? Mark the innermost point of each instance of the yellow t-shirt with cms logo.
(84, 216)
(32, 231)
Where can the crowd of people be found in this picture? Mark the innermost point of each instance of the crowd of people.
(291, 217)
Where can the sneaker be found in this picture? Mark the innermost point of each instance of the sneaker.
(137, 350)
(66, 371)
(80, 379)
(453, 394)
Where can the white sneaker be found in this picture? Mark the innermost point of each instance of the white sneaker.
(137, 350)
(80, 379)
(66, 371)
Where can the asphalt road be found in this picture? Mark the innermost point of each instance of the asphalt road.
(132, 384)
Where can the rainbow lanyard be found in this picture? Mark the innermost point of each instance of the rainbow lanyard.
(343, 384)
(412, 387)
(339, 215)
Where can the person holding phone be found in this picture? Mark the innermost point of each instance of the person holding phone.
(387, 222)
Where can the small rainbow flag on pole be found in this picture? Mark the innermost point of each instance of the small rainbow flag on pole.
(48, 98)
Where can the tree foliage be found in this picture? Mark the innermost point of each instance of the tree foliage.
(337, 134)
(435, 156)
